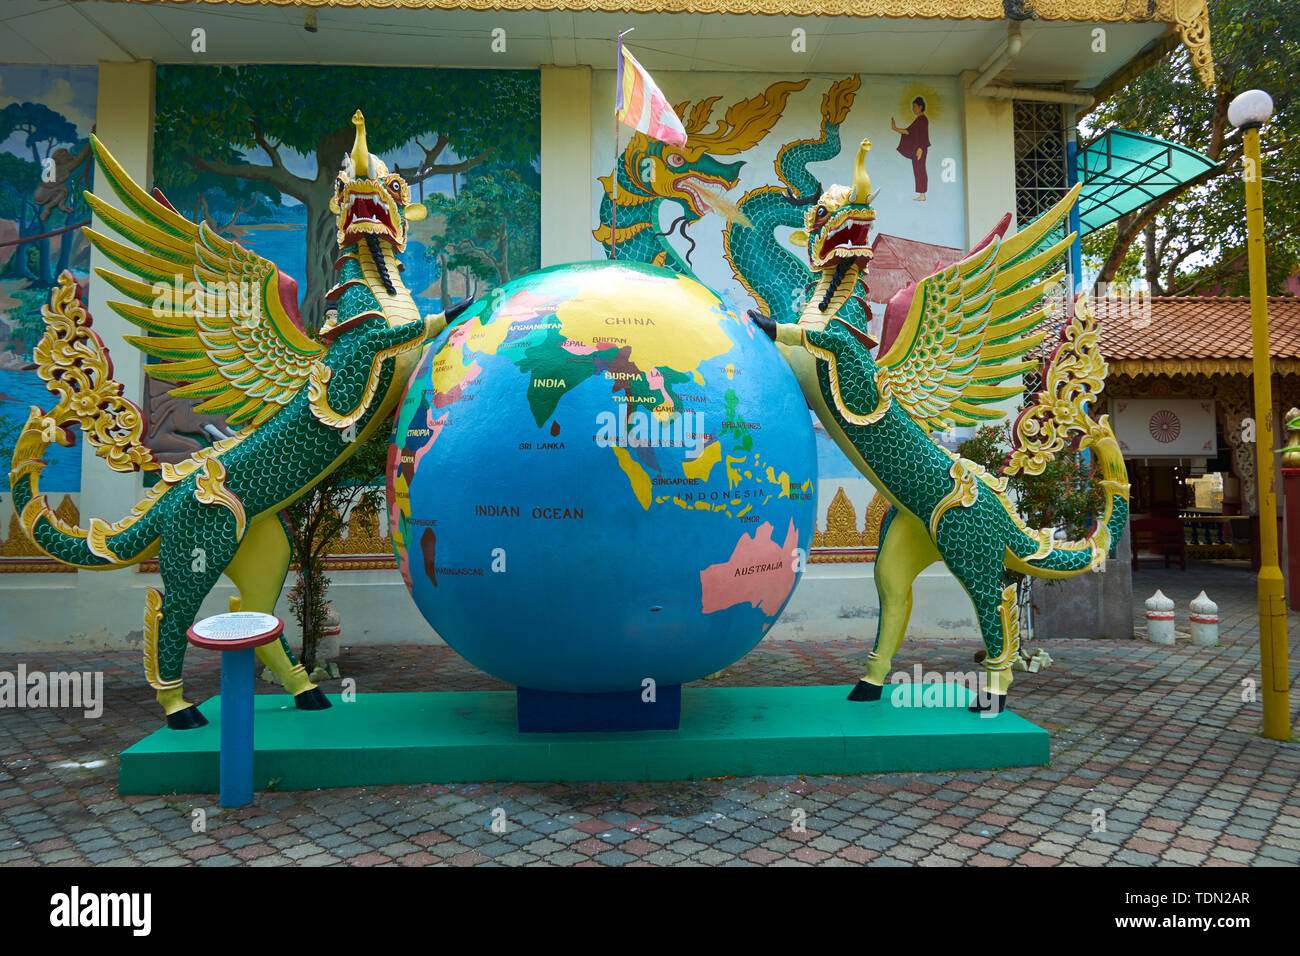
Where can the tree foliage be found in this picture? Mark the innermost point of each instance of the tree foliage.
(492, 226)
(212, 119)
(1064, 496)
(1194, 239)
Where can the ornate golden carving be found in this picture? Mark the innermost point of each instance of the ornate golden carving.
(1076, 374)
(1282, 365)
(841, 523)
(965, 491)
(876, 510)
(363, 534)
(152, 621)
(72, 361)
(210, 489)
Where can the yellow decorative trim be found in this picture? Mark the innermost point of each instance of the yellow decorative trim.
(318, 392)
(965, 491)
(865, 556)
(1010, 616)
(152, 622)
(210, 489)
(1198, 366)
(171, 474)
(97, 540)
(882, 407)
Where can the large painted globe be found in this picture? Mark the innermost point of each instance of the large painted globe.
(603, 473)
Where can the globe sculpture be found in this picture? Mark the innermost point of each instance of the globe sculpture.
(601, 485)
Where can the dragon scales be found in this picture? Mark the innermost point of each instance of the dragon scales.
(231, 337)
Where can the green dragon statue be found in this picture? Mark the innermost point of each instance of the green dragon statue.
(229, 336)
(966, 330)
(770, 273)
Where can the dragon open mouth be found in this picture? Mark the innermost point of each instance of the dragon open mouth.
(701, 190)
(848, 240)
(368, 214)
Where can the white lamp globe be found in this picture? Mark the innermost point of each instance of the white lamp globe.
(1252, 108)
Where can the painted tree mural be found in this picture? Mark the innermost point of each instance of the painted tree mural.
(245, 124)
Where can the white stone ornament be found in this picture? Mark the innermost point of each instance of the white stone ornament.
(1203, 621)
(1160, 619)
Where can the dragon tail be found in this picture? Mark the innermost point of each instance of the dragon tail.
(1073, 377)
(75, 366)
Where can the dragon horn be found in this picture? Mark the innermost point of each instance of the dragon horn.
(360, 151)
(861, 181)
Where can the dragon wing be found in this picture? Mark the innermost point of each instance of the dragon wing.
(964, 330)
(241, 350)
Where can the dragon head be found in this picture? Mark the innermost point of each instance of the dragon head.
(369, 200)
(685, 174)
(837, 222)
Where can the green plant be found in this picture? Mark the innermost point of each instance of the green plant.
(1064, 496)
(315, 522)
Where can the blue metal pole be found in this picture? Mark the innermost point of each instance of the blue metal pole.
(237, 727)
(1072, 177)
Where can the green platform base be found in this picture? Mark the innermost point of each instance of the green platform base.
(453, 737)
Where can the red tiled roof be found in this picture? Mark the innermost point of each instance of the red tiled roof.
(1193, 327)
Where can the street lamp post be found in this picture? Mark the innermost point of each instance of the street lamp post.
(1248, 112)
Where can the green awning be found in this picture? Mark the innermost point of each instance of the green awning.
(1122, 171)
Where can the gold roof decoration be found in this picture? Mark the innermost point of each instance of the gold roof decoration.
(1190, 19)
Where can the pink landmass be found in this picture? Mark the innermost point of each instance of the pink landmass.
(577, 348)
(655, 380)
(760, 572)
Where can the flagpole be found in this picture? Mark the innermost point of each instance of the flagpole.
(618, 105)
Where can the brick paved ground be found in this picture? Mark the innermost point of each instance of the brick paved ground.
(1157, 738)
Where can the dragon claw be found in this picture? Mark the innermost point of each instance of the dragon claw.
(864, 690)
(188, 719)
(313, 698)
(764, 322)
(986, 703)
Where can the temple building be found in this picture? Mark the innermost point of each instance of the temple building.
(235, 111)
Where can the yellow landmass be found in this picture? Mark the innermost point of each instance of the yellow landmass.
(700, 467)
(636, 475)
(598, 311)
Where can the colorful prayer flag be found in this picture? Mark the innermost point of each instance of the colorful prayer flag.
(642, 105)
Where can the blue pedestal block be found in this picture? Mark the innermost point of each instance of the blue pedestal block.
(550, 712)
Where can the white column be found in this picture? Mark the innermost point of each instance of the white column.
(567, 217)
(108, 602)
(988, 142)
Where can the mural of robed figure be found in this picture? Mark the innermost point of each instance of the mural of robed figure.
(914, 144)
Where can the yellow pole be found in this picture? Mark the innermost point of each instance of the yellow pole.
(1272, 594)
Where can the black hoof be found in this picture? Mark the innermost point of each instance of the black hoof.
(187, 719)
(988, 704)
(311, 699)
(865, 691)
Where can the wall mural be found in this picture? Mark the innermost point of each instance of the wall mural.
(253, 151)
(46, 116)
(724, 207)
